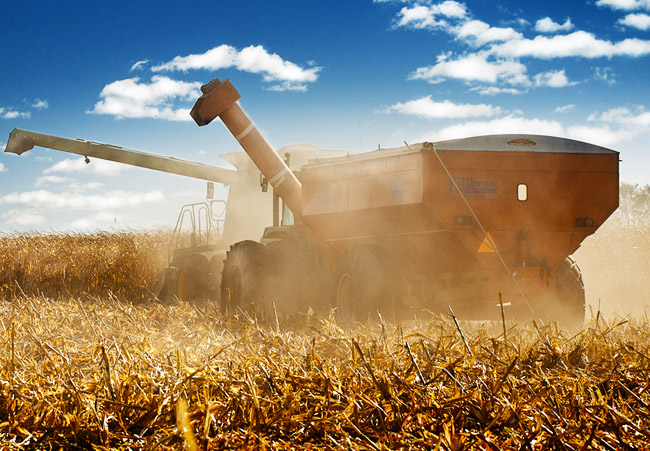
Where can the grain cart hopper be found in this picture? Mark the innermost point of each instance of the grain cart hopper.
(424, 226)
(204, 229)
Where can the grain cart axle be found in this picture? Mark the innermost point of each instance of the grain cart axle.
(422, 227)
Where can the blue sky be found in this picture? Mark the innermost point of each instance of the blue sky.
(339, 75)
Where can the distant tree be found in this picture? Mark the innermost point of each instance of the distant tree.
(634, 205)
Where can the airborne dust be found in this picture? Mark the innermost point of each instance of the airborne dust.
(615, 261)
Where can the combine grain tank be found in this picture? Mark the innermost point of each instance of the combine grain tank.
(423, 227)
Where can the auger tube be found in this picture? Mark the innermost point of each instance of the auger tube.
(20, 141)
(219, 99)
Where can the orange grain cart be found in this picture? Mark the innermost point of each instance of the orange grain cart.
(422, 227)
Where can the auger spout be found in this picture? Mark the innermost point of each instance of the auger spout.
(219, 99)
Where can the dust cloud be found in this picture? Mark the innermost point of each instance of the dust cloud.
(615, 261)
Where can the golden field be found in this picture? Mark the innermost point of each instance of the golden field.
(88, 362)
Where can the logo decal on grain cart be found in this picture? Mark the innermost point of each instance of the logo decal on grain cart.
(485, 246)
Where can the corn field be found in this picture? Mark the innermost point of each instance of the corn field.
(126, 265)
(88, 362)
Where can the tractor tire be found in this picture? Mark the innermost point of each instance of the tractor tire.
(361, 285)
(216, 268)
(300, 276)
(569, 296)
(244, 280)
(193, 283)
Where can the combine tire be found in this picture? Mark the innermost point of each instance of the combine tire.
(361, 284)
(569, 295)
(193, 279)
(301, 275)
(243, 281)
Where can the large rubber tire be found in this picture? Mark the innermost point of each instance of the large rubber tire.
(300, 276)
(361, 285)
(569, 295)
(194, 279)
(244, 280)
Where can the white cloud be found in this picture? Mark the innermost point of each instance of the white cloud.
(547, 25)
(48, 200)
(640, 21)
(254, 59)
(3, 146)
(626, 5)
(138, 65)
(608, 128)
(479, 33)
(507, 124)
(494, 90)
(474, 67)
(605, 74)
(565, 108)
(2, 167)
(51, 179)
(553, 79)
(94, 221)
(576, 44)
(95, 166)
(625, 116)
(23, 218)
(71, 184)
(13, 114)
(130, 98)
(427, 108)
(426, 16)
(40, 104)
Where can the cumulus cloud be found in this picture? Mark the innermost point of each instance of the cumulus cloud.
(48, 200)
(608, 128)
(2, 167)
(430, 16)
(40, 104)
(639, 21)
(479, 33)
(71, 184)
(636, 117)
(547, 25)
(94, 221)
(23, 218)
(506, 124)
(576, 44)
(553, 79)
(253, 59)
(131, 98)
(498, 51)
(565, 108)
(625, 5)
(474, 67)
(429, 109)
(13, 114)
(96, 166)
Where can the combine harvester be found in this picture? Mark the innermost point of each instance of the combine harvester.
(420, 228)
(204, 230)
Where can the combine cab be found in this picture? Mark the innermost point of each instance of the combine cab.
(423, 227)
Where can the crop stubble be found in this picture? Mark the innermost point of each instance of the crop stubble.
(87, 372)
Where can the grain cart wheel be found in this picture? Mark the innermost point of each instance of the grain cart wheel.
(361, 284)
(301, 275)
(243, 281)
(569, 295)
(193, 278)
